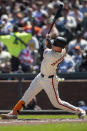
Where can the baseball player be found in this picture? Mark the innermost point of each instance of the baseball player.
(47, 80)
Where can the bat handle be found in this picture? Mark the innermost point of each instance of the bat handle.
(51, 27)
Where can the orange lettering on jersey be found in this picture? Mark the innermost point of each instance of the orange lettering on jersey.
(58, 61)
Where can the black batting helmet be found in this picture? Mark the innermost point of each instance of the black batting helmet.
(59, 42)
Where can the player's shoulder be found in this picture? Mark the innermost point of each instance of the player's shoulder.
(64, 50)
(47, 50)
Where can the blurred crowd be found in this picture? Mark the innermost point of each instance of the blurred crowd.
(35, 17)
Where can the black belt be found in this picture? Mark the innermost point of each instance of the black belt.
(48, 76)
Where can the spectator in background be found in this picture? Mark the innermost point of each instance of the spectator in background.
(19, 23)
(77, 41)
(78, 16)
(7, 26)
(29, 57)
(77, 57)
(50, 9)
(73, 2)
(2, 7)
(45, 5)
(5, 57)
(83, 7)
(84, 24)
(67, 65)
(85, 31)
(30, 28)
(83, 66)
(34, 46)
(33, 43)
(37, 14)
(26, 59)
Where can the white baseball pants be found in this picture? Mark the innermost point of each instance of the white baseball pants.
(50, 86)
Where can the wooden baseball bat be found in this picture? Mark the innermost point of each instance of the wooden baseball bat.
(60, 7)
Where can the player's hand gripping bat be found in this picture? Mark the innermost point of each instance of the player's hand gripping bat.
(60, 7)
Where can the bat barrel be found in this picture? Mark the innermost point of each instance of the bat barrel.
(60, 7)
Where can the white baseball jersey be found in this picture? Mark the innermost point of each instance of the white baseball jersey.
(49, 85)
(51, 61)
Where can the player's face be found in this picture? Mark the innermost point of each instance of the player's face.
(57, 49)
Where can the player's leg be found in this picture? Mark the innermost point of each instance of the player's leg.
(51, 89)
(29, 94)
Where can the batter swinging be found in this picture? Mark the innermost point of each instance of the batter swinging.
(47, 80)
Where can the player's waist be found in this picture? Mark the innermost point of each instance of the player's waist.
(50, 76)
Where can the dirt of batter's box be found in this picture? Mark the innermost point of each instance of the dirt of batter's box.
(38, 121)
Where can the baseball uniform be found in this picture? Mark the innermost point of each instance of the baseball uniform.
(47, 80)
